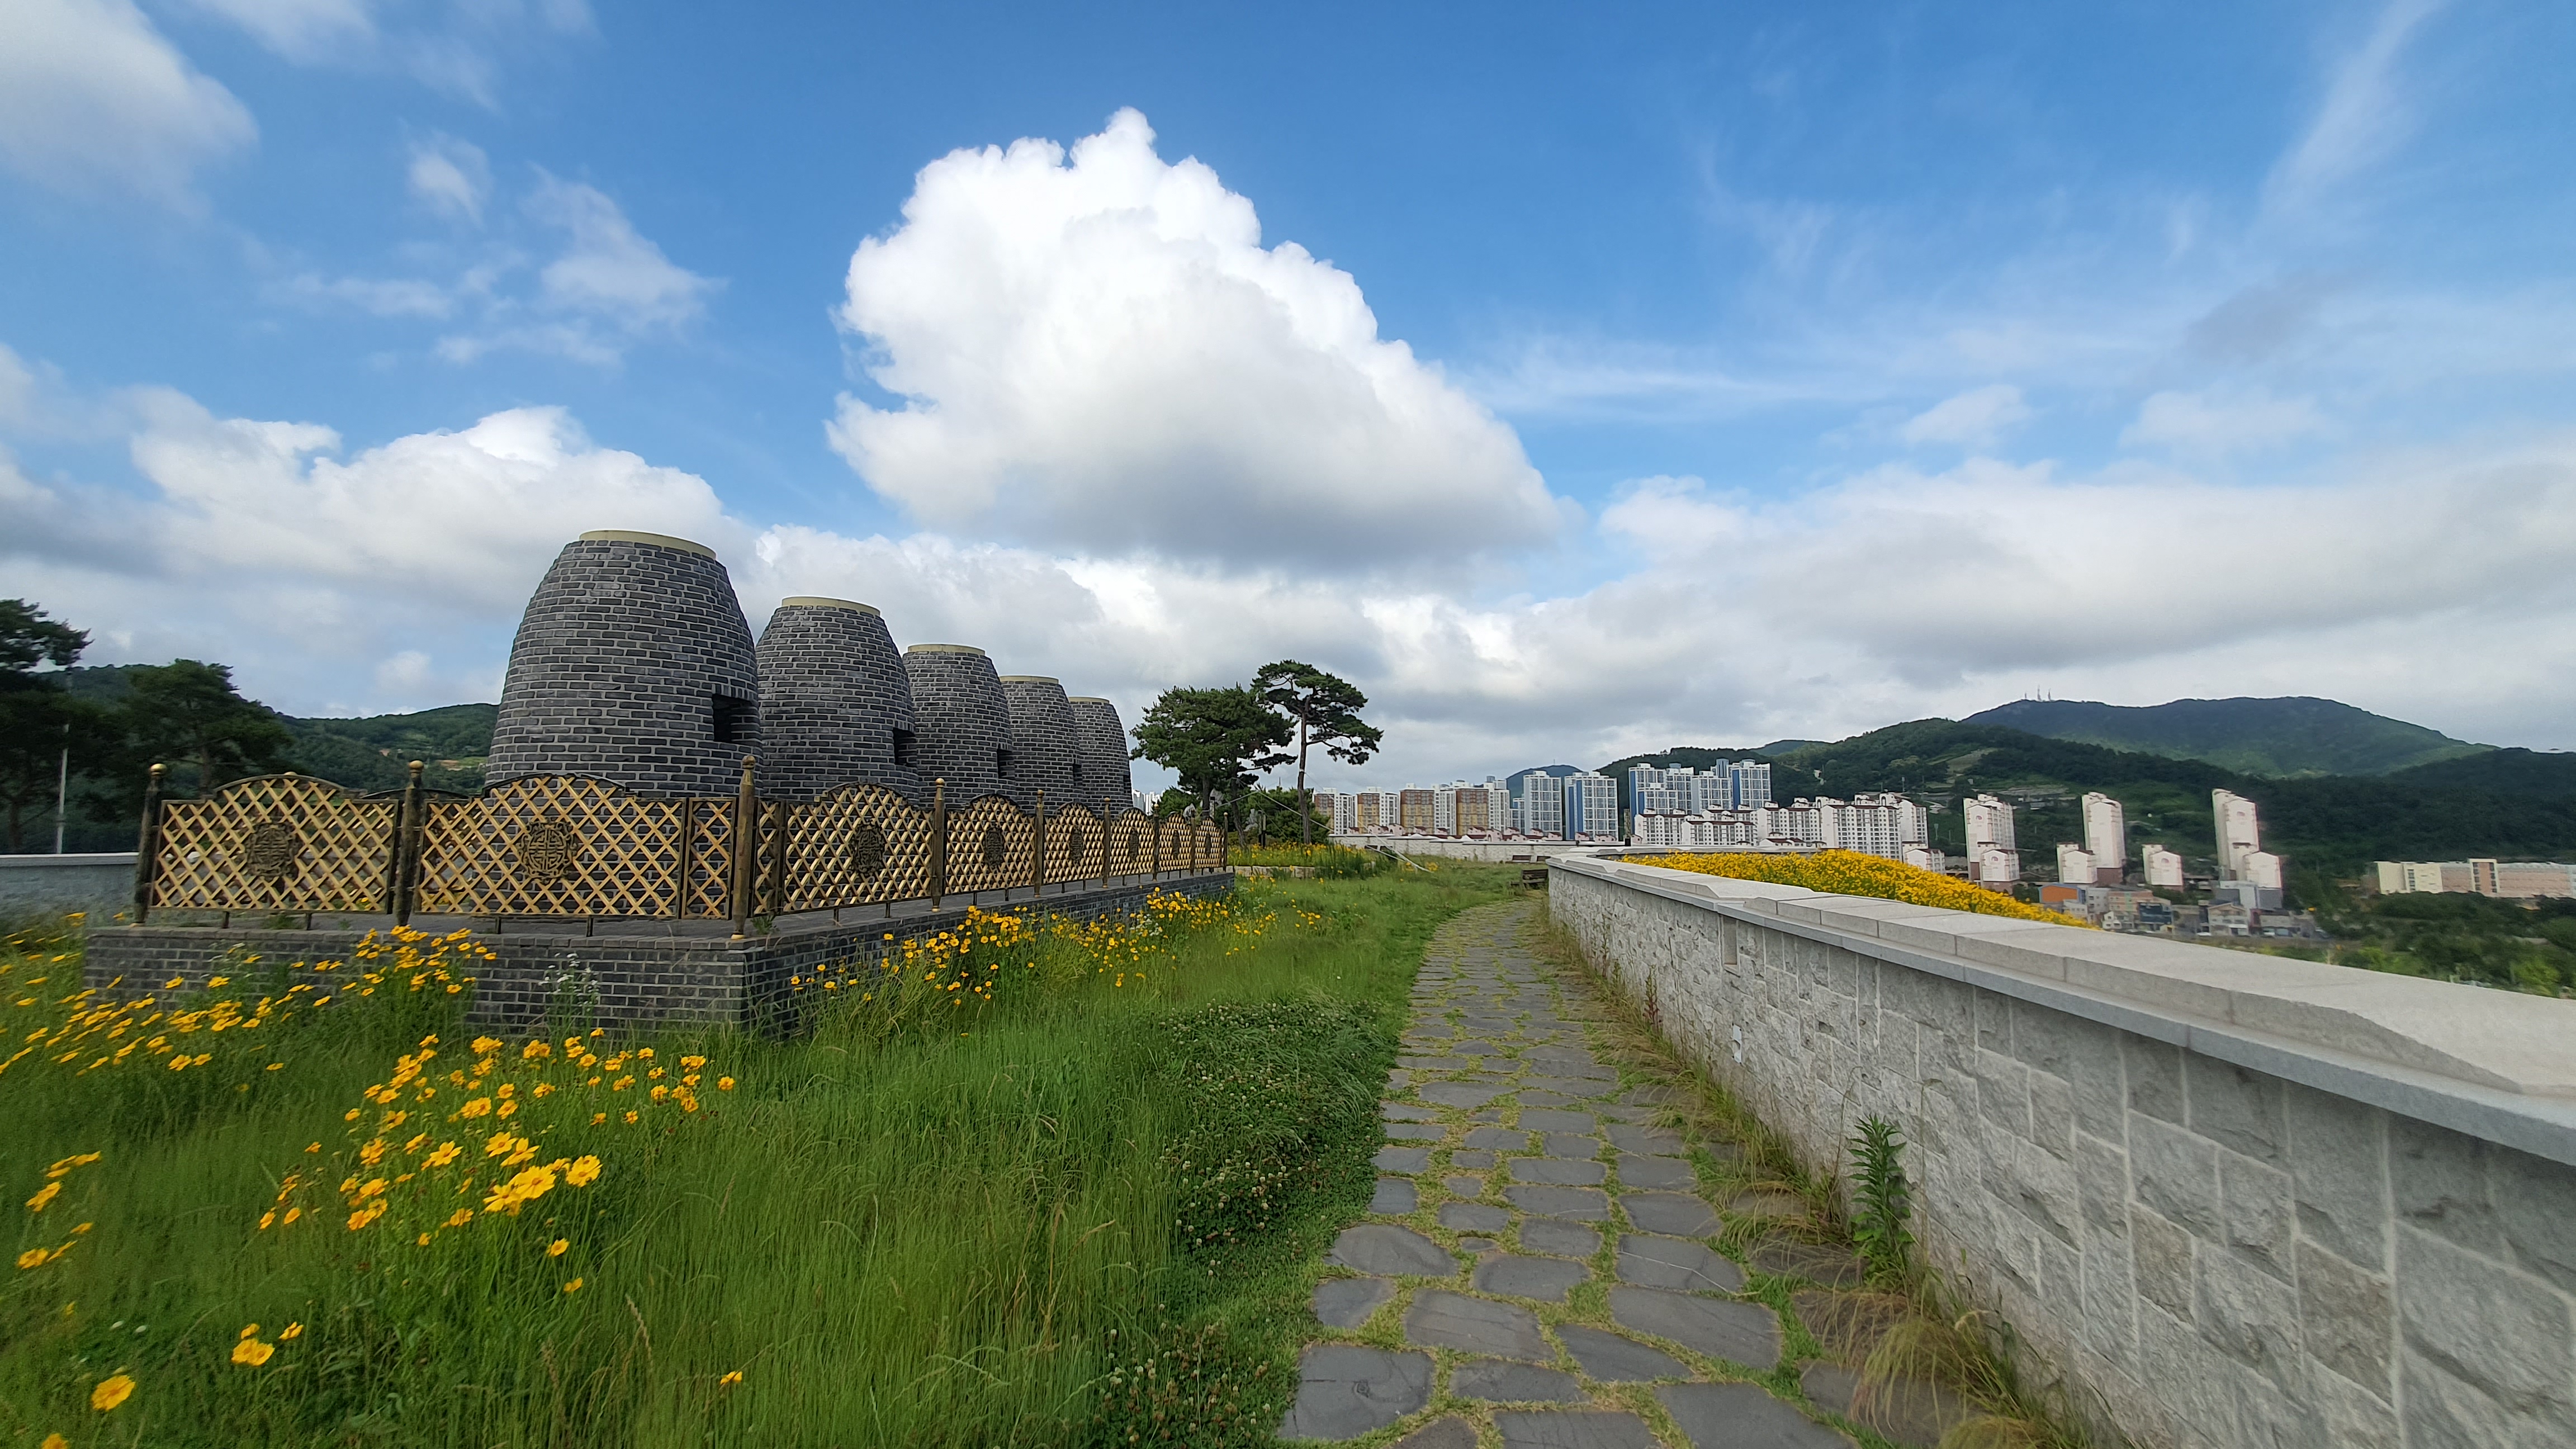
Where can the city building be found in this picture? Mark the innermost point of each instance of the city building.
(1413, 810)
(1591, 807)
(2163, 867)
(1995, 867)
(1994, 856)
(2106, 837)
(2240, 834)
(1543, 804)
(2515, 879)
(2075, 866)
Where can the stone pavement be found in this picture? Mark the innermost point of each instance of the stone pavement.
(1539, 1268)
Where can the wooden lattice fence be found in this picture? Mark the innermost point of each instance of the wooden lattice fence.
(569, 847)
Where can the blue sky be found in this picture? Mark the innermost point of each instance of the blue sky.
(1590, 380)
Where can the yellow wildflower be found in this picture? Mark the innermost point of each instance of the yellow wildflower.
(573, 1287)
(293, 1330)
(111, 1391)
(251, 1353)
(557, 1248)
(44, 1195)
(730, 1379)
(583, 1172)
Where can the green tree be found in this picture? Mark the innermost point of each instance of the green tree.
(43, 730)
(1217, 740)
(1327, 709)
(187, 710)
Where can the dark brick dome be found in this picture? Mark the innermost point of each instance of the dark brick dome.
(835, 701)
(961, 723)
(1043, 737)
(633, 664)
(1100, 741)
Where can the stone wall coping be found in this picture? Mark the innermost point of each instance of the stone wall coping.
(2499, 1066)
(817, 601)
(661, 540)
(1084, 699)
(945, 649)
(75, 861)
(1034, 679)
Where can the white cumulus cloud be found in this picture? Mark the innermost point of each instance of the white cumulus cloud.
(93, 97)
(451, 177)
(2212, 423)
(1976, 418)
(1094, 347)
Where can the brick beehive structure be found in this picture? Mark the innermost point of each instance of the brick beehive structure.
(634, 665)
(835, 701)
(961, 723)
(1044, 743)
(1100, 740)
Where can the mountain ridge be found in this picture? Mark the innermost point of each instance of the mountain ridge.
(2284, 738)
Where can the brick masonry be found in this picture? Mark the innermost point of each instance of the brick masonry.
(962, 725)
(633, 664)
(2217, 1255)
(1044, 744)
(625, 977)
(835, 702)
(1101, 739)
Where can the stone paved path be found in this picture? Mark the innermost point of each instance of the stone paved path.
(1540, 1268)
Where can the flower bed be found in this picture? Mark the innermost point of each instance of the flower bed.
(1850, 873)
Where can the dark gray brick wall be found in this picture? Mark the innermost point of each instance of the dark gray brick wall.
(1101, 739)
(835, 701)
(621, 978)
(1043, 740)
(620, 661)
(962, 725)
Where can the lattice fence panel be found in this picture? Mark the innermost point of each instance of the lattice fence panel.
(992, 846)
(1131, 842)
(1176, 843)
(1073, 844)
(274, 843)
(1211, 845)
(557, 845)
(858, 845)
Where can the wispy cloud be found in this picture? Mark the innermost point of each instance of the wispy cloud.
(2362, 115)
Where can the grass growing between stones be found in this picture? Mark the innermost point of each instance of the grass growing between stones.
(1073, 1207)
(1915, 1347)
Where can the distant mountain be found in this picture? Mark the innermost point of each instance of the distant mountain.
(2281, 739)
(1781, 747)
(2534, 774)
(2335, 824)
(372, 753)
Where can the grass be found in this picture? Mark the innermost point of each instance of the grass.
(1911, 1325)
(1073, 1201)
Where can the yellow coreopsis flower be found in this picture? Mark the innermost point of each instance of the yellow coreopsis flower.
(251, 1353)
(558, 1247)
(111, 1391)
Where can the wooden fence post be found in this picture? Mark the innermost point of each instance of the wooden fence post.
(746, 848)
(1038, 872)
(147, 846)
(401, 872)
(938, 841)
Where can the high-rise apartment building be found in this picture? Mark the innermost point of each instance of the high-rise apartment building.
(1413, 810)
(2075, 865)
(1989, 823)
(1591, 806)
(2106, 836)
(2240, 835)
(2163, 867)
(1543, 804)
(1748, 784)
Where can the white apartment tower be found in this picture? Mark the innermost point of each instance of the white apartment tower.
(1543, 804)
(2106, 835)
(2240, 835)
(2074, 865)
(2163, 867)
(1989, 823)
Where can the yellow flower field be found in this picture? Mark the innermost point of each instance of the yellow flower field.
(1849, 873)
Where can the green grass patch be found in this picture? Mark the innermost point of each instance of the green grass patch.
(1073, 1200)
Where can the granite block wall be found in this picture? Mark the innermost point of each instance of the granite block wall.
(961, 723)
(2227, 1235)
(633, 664)
(1101, 740)
(835, 701)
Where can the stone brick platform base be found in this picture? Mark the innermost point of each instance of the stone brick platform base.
(622, 972)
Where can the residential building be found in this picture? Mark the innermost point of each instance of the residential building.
(1989, 825)
(1543, 804)
(1924, 857)
(2106, 836)
(1591, 806)
(1748, 784)
(2075, 866)
(1413, 810)
(1995, 867)
(2240, 834)
(2163, 867)
(2517, 879)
